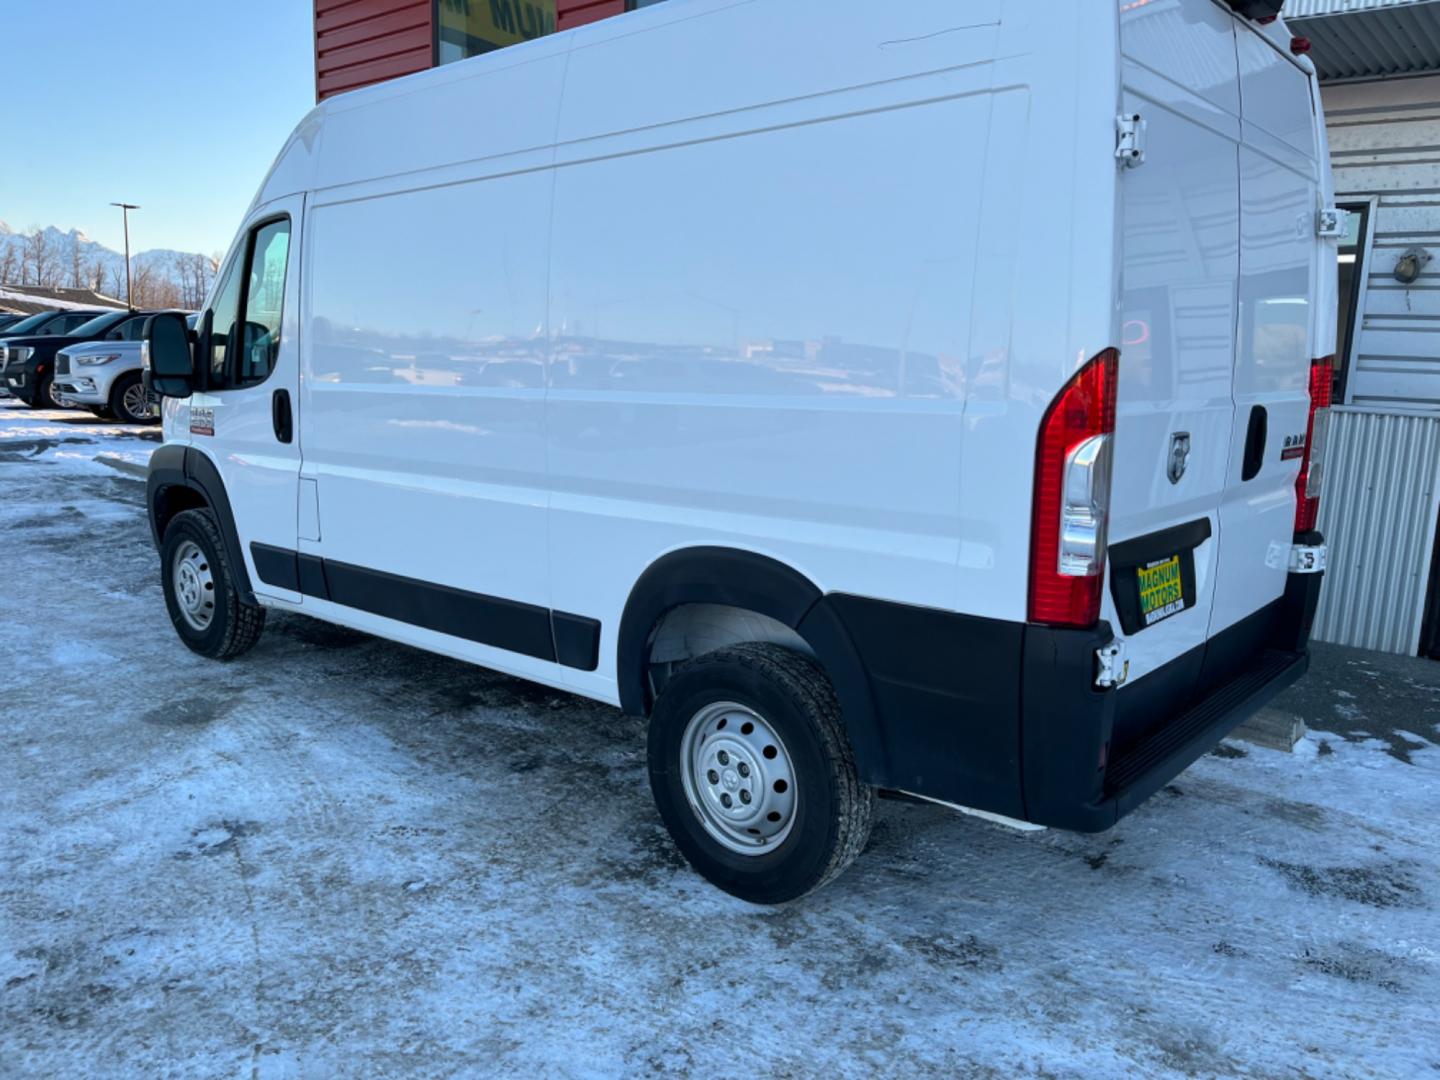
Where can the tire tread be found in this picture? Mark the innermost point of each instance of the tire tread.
(244, 622)
(805, 682)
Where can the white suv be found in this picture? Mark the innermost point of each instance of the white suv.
(105, 377)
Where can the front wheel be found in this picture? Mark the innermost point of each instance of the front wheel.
(44, 395)
(753, 774)
(129, 402)
(201, 590)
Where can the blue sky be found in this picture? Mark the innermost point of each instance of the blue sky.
(178, 105)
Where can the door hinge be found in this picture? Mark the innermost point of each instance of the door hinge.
(1130, 140)
(1332, 223)
(1111, 666)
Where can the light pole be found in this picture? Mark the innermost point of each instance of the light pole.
(125, 209)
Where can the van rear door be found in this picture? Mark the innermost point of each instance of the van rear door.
(1180, 267)
(1280, 185)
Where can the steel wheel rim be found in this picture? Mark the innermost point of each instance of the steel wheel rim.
(53, 395)
(194, 585)
(738, 778)
(136, 404)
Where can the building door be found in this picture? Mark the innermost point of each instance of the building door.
(1354, 257)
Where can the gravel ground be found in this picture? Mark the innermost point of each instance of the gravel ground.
(338, 856)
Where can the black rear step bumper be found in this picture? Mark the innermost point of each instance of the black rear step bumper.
(1090, 756)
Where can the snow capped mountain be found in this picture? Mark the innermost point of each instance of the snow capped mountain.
(64, 250)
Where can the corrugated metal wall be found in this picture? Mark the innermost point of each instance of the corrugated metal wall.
(1378, 514)
(572, 13)
(1385, 141)
(359, 42)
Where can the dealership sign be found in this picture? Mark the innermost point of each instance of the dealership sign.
(480, 25)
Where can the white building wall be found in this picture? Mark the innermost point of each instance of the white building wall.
(1385, 142)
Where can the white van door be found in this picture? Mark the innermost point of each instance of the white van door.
(1279, 200)
(1180, 267)
(244, 419)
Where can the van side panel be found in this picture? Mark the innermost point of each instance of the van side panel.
(424, 381)
(760, 315)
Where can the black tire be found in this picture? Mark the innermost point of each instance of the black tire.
(40, 397)
(124, 384)
(833, 808)
(234, 625)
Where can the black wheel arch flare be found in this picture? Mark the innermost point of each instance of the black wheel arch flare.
(173, 467)
(917, 717)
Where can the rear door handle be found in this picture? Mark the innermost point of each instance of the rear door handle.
(1255, 443)
(280, 415)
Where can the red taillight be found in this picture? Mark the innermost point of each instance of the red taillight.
(1072, 497)
(1308, 483)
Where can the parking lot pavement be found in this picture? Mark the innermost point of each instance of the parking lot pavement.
(339, 856)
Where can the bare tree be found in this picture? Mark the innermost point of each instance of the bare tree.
(8, 265)
(41, 257)
(95, 277)
(193, 274)
(77, 264)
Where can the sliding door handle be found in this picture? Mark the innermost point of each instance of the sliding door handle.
(280, 415)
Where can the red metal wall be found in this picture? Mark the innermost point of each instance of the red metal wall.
(571, 13)
(359, 42)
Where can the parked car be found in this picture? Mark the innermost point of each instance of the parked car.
(51, 323)
(27, 360)
(105, 377)
(879, 506)
(8, 320)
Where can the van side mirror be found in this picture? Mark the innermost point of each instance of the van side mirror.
(167, 357)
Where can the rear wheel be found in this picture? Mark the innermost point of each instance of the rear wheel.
(129, 402)
(202, 592)
(753, 774)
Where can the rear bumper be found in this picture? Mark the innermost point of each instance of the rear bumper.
(1091, 756)
(1007, 717)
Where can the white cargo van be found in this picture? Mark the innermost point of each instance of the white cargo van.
(913, 398)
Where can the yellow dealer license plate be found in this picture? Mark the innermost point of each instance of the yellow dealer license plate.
(1161, 591)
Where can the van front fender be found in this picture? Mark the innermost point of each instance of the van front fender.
(182, 478)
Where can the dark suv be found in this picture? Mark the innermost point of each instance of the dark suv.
(27, 358)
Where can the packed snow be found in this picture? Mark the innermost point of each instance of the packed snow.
(338, 856)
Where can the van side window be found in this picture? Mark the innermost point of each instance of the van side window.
(222, 321)
(264, 301)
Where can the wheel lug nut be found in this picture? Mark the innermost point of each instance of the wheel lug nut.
(726, 801)
(743, 769)
(723, 758)
(745, 797)
(713, 776)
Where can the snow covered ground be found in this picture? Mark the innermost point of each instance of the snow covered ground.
(341, 857)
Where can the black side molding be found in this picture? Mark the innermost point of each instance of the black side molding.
(527, 629)
(276, 566)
